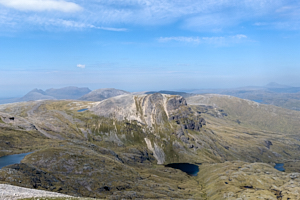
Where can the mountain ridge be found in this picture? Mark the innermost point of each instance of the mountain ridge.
(101, 94)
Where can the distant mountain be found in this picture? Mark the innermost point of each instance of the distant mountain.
(276, 85)
(51, 94)
(184, 94)
(101, 94)
(285, 90)
(35, 94)
(67, 92)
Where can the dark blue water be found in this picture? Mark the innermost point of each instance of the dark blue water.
(12, 159)
(279, 166)
(188, 168)
(82, 110)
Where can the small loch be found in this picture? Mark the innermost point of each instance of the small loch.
(12, 159)
(82, 110)
(188, 168)
(279, 167)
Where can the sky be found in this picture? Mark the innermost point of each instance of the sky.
(140, 45)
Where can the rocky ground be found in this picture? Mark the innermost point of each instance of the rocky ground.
(9, 192)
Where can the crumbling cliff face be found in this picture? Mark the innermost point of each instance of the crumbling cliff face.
(146, 109)
(151, 110)
(164, 121)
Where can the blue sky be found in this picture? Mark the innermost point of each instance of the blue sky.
(141, 45)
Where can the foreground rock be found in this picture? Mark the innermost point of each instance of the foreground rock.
(9, 192)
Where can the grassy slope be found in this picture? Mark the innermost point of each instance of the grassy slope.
(252, 114)
(16, 141)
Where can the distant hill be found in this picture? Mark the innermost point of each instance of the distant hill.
(184, 94)
(51, 94)
(273, 93)
(276, 85)
(67, 92)
(35, 94)
(101, 94)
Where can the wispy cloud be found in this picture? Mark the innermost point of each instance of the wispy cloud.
(70, 24)
(110, 28)
(196, 15)
(287, 17)
(206, 40)
(180, 39)
(81, 66)
(41, 5)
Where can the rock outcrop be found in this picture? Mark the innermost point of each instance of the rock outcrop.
(158, 118)
(10, 192)
(146, 109)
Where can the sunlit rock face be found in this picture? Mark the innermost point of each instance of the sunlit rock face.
(160, 118)
(146, 109)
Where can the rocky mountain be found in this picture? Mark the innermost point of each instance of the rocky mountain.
(67, 92)
(118, 147)
(35, 94)
(50, 94)
(101, 94)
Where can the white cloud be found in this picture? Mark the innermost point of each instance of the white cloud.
(260, 24)
(206, 40)
(110, 28)
(180, 39)
(81, 66)
(239, 36)
(41, 5)
(70, 24)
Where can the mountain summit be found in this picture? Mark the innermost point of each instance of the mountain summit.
(61, 93)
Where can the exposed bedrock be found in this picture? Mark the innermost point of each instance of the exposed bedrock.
(146, 109)
(160, 115)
